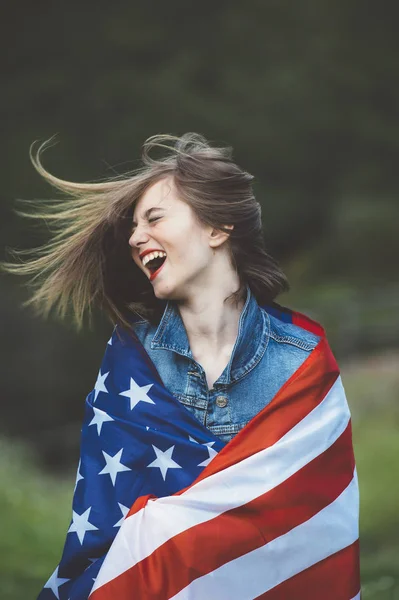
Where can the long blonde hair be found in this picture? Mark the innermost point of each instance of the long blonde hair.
(88, 263)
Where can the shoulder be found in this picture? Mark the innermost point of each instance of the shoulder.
(143, 329)
(284, 332)
(139, 329)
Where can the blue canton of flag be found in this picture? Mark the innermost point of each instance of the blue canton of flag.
(137, 439)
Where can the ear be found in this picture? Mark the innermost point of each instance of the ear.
(218, 237)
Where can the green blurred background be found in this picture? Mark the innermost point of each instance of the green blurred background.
(307, 94)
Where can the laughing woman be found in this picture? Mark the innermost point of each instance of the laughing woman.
(218, 424)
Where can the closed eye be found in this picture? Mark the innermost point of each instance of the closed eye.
(132, 230)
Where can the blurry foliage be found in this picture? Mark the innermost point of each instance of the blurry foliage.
(307, 95)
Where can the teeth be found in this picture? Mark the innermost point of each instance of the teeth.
(151, 256)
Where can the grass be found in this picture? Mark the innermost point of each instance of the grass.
(35, 510)
(372, 389)
(35, 513)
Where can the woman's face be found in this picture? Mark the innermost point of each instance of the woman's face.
(162, 222)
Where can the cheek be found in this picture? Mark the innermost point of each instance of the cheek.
(195, 257)
(185, 246)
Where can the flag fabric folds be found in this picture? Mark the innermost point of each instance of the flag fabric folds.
(163, 509)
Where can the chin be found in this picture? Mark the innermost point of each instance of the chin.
(163, 292)
(166, 292)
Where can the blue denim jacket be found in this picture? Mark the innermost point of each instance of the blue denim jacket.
(266, 353)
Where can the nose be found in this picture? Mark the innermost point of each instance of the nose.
(138, 237)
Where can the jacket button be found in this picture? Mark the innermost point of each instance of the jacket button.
(221, 401)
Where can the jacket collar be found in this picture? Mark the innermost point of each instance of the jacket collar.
(250, 345)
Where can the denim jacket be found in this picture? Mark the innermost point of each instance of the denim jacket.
(266, 353)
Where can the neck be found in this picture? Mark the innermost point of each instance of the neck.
(211, 322)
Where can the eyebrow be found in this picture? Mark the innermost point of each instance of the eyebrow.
(148, 212)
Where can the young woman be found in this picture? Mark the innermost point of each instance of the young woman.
(200, 298)
(175, 255)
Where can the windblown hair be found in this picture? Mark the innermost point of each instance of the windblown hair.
(88, 261)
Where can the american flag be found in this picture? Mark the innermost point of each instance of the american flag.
(163, 509)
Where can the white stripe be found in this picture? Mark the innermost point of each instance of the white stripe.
(163, 518)
(357, 597)
(330, 530)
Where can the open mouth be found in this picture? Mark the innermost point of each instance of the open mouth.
(154, 264)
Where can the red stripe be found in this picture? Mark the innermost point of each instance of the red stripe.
(307, 323)
(189, 555)
(334, 578)
(300, 394)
